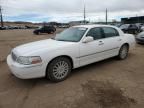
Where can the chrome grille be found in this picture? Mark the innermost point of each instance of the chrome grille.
(14, 57)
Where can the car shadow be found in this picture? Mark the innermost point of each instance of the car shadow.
(95, 65)
(99, 64)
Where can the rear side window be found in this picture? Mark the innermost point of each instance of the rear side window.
(96, 33)
(110, 32)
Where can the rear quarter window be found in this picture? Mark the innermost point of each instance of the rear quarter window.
(110, 32)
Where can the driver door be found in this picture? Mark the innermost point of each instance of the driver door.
(90, 52)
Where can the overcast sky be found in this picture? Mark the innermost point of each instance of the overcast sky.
(67, 10)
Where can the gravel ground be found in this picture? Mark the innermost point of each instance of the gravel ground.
(106, 84)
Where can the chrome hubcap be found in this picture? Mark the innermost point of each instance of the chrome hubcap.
(60, 69)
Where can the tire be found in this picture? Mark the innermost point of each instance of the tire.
(49, 32)
(59, 69)
(37, 33)
(123, 53)
(52, 31)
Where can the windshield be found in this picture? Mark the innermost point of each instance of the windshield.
(124, 26)
(73, 34)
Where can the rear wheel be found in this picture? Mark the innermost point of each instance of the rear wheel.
(59, 69)
(37, 33)
(123, 53)
(52, 31)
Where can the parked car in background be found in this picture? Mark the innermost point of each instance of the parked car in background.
(139, 25)
(140, 38)
(117, 25)
(142, 28)
(129, 28)
(74, 47)
(10, 28)
(45, 29)
(64, 26)
(2, 28)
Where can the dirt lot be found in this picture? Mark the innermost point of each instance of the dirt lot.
(107, 84)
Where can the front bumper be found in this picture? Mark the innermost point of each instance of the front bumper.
(25, 71)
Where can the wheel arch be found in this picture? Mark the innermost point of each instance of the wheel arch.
(126, 44)
(66, 56)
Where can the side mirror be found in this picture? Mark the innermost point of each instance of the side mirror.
(88, 39)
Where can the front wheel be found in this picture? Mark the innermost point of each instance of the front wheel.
(123, 53)
(59, 69)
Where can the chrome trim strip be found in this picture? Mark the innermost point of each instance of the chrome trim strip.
(97, 52)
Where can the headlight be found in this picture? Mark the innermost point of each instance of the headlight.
(29, 60)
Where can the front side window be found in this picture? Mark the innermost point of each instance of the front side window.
(110, 32)
(73, 34)
(96, 33)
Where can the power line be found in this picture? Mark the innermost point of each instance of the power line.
(1, 17)
(106, 15)
(84, 12)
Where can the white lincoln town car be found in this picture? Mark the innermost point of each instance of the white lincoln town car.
(74, 47)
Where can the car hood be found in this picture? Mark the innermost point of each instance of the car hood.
(34, 47)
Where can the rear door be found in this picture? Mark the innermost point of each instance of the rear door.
(46, 29)
(42, 29)
(112, 42)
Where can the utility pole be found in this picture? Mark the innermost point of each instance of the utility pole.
(106, 16)
(1, 17)
(84, 12)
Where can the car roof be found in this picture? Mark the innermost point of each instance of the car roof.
(96, 25)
